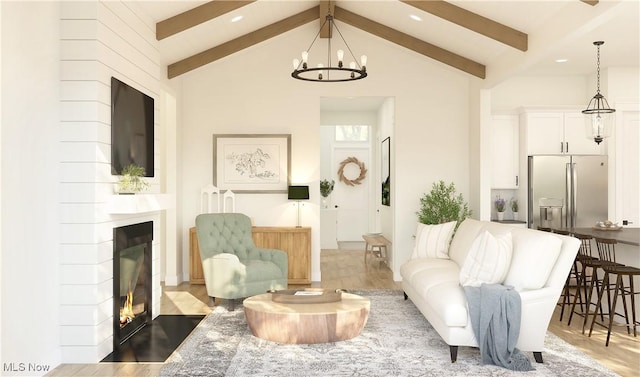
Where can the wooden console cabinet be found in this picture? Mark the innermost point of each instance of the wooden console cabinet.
(296, 242)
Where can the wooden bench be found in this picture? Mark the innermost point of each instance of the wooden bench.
(376, 245)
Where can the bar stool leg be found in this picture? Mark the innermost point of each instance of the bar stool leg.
(612, 310)
(633, 304)
(599, 288)
(605, 283)
(581, 286)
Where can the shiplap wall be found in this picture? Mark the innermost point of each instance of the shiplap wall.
(98, 40)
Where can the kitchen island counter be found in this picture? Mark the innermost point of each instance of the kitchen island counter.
(629, 236)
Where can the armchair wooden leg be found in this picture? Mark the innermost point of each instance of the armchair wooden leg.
(405, 296)
(212, 301)
(538, 357)
(453, 350)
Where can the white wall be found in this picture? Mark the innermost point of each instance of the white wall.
(57, 62)
(386, 127)
(252, 92)
(99, 40)
(30, 185)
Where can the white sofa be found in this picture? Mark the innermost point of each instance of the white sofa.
(537, 266)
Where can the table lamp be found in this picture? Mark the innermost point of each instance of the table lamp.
(298, 193)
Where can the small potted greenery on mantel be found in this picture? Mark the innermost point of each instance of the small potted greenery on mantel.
(442, 205)
(132, 180)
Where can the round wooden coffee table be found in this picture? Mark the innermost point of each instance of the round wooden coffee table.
(306, 323)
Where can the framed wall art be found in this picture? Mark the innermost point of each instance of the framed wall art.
(385, 166)
(252, 163)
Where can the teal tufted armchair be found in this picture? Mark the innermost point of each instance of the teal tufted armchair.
(232, 264)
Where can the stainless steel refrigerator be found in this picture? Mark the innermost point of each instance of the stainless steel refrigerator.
(567, 191)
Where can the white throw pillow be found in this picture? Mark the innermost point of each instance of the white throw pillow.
(534, 256)
(488, 259)
(432, 241)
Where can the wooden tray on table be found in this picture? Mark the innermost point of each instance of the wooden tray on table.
(306, 296)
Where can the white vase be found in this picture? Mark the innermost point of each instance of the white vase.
(515, 215)
(325, 202)
(500, 216)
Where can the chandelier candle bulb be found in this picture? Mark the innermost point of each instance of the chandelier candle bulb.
(296, 63)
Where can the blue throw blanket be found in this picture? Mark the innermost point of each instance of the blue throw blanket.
(495, 316)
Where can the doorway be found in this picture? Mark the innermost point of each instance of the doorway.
(349, 140)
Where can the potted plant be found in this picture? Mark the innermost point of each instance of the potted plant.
(132, 180)
(326, 188)
(514, 208)
(501, 206)
(442, 205)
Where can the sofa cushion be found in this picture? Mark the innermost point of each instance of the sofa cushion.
(488, 259)
(466, 233)
(410, 269)
(449, 301)
(432, 241)
(534, 255)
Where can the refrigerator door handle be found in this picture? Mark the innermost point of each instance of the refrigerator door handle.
(574, 195)
(571, 191)
(567, 196)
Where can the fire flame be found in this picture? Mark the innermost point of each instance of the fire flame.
(126, 311)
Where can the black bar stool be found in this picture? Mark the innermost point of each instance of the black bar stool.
(588, 265)
(567, 294)
(599, 285)
(607, 252)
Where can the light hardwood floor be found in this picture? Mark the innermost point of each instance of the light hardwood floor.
(346, 269)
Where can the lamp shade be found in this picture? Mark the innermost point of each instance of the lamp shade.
(298, 193)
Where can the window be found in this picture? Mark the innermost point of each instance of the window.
(352, 133)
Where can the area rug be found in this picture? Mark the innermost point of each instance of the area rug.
(396, 341)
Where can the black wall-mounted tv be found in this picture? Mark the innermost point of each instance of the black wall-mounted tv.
(132, 120)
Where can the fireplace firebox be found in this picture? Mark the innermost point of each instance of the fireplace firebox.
(131, 280)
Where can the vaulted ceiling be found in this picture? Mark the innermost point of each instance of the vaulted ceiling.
(476, 37)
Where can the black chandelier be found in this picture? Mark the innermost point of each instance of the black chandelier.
(329, 73)
(598, 112)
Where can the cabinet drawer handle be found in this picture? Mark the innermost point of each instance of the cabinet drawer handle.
(561, 147)
(567, 148)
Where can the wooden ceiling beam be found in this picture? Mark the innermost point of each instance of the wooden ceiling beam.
(325, 8)
(479, 24)
(240, 43)
(196, 16)
(412, 43)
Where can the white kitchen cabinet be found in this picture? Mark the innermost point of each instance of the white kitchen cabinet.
(627, 165)
(558, 133)
(504, 152)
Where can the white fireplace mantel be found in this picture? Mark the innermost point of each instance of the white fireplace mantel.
(139, 203)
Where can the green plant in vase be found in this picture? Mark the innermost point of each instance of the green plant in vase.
(132, 180)
(514, 208)
(442, 205)
(501, 206)
(326, 188)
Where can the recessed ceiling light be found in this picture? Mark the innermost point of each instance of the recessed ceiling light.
(562, 60)
(236, 18)
(415, 18)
